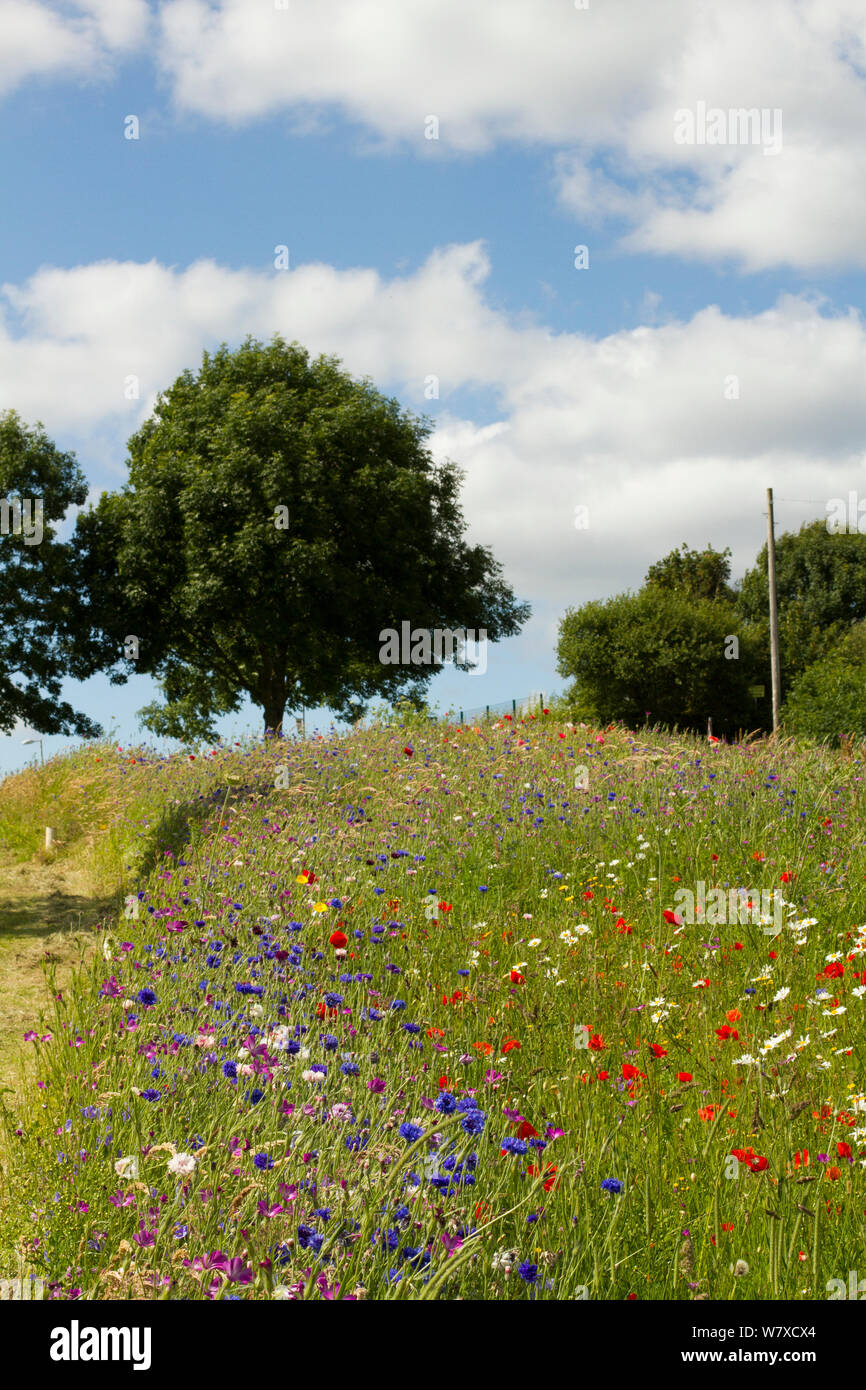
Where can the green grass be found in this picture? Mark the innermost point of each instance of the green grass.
(577, 884)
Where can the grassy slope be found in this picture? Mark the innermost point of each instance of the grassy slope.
(760, 811)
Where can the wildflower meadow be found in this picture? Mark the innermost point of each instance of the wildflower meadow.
(415, 1012)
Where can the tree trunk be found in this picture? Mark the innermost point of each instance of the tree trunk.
(274, 708)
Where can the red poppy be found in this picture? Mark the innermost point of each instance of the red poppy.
(684, 1076)
(834, 971)
(509, 1044)
(338, 939)
(672, 918)
(657, 1050)
(756, 1162)
(516, 978)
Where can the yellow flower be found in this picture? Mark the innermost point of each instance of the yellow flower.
(320, 907)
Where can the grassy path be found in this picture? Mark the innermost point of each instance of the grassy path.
(43, 908)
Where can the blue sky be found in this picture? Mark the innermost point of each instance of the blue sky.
(262, 125)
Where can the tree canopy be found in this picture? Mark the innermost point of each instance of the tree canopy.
(278, 516)
(821, 592)
(38, 485)
(661, 651)
(828, 700)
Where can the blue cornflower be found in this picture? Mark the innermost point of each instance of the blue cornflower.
(473, 1122)
(330, 1043)
(263, 1161)
(151, 1094)
(308, 1239)
(410, 1133)
(146, 997)
(411, 1027)
(230, 1069)
(334, 1000)
(528, 1272)
(398, 1004)
(350, 1068)
(611, 1185)
(446, 1103)
(513, 1146)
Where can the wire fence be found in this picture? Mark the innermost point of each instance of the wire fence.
(520, 708)
(517, 709)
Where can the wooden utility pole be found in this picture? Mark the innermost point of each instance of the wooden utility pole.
(774, 617)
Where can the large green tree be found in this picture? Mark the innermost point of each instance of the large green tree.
(38, 598)
(664, 651)
(278, 516)
(827, 701)
(697, 574)
(821, 590)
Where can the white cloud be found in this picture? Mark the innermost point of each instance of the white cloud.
(598, 88)
(601, 84)
(76, 38)
(634, 425)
